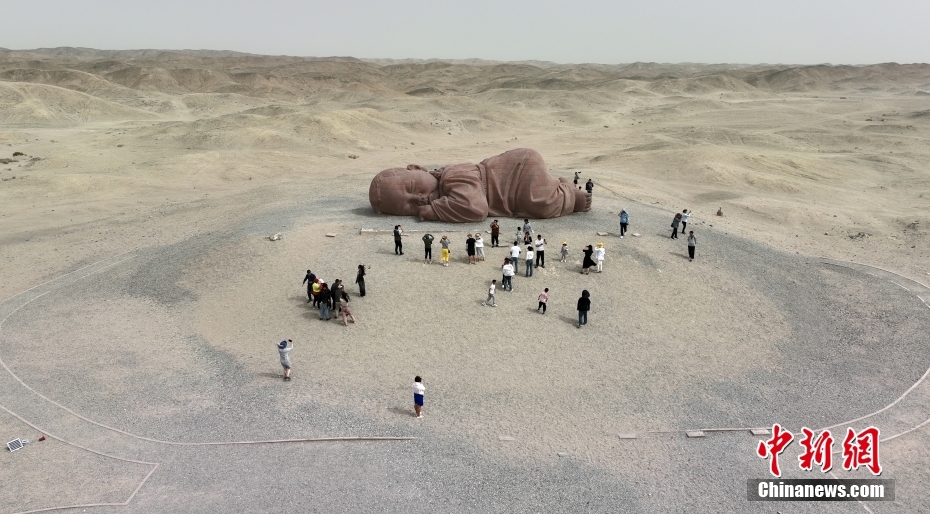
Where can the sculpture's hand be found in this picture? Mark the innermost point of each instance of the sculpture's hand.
(582, 201)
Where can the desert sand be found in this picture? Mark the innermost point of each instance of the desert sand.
(142, 298)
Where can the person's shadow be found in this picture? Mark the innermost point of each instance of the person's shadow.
(570, 320)
(400, 411)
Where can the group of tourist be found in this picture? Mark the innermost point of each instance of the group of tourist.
(328, 298)
(682, 219)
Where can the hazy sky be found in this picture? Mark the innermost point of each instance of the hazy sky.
(603, 31)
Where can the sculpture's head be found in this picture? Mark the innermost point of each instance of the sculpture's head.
(401, 191)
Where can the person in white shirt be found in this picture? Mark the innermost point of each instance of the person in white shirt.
(491, 298)
(508, 275)
(540, 251)
(515, 256)
(599, 254)
(479, 246)
(529, 261)
(418, 391)
(685, 216)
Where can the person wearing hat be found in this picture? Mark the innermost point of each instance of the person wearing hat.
(564, 251)
(284, 350)
(599, 254)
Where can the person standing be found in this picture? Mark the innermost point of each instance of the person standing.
(470, 249)
(540, 251)
(316, 292)
(345, 310)
(491, 292)
(527, 228)
(624, 220)
(685, 216)
(514, 256)
(335, 292)
(479, 247)
(564, 251)
(675, 222)
(543, 300)
(692, 242)
(587, 262)
(589, 186)
(577, 178)
(419, 390)
(309, 279)
(507, 282)
(284, 351)
(444, 242)
(495, 234)
(599, 254)
(360, 280)
(324, 298)
(398, 242)
(529, 261)
(584, 305)
(519, 235)
(428, 248)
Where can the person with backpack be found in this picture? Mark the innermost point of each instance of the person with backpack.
(624, 221)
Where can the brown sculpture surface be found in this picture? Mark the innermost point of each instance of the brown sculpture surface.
(515, 183)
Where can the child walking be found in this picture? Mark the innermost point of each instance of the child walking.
(418, 391)
(479, 247)
(491, 291)
(543, 298)
(564, 251)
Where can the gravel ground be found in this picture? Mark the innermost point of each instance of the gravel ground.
(176, 343)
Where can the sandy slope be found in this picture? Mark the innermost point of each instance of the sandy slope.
(188, 160)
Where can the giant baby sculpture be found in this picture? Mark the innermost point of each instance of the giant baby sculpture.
(515, 183)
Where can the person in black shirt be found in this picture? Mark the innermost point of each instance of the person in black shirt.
(308, 279)
(584, 305)
(398, 242)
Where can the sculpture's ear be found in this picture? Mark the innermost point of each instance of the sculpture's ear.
(416, 167)
(437, 173)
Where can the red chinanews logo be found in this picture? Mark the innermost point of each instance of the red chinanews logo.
(859, 449)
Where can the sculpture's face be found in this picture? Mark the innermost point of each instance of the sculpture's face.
(414, 189)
